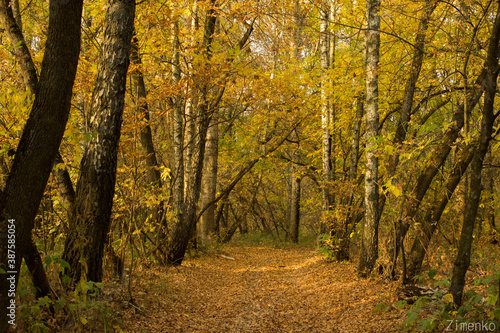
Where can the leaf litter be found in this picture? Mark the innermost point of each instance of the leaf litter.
(263, 289)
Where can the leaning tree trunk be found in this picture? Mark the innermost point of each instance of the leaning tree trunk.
(369, 250)
(439, 156)
(25, 63)
(11, 20)
(406, 107)
(91, 215)
(462, 260)
(431, 220)
(41, 138)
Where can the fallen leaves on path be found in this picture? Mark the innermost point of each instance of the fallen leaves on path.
(262, 290)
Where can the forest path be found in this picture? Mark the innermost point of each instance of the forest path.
(263, 289)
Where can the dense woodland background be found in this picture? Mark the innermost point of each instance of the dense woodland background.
(134, 133)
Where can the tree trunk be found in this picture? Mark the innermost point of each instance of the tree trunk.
(462, 260)
(437, 159)
(63, 182)
(40, 140)
(191, 101)
(178, 187)
(10, 17)
(91, 215)
(35, 266)
(293, 207)
(406, 107)
(184, 228)
(370, 228)
(153, 176)
(146, 135)
(209, 186)
(490, 187)
(431, 220)
(325, 119)
(20, 49)
(294, 223)
(342, 253)
(237, 223)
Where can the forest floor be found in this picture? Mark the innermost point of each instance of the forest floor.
(264, 289)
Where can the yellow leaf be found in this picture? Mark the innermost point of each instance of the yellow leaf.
(448, 298)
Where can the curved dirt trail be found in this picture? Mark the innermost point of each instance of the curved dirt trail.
(262, 290)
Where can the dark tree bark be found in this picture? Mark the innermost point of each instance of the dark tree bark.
(409, 93)
(35, 266)
(153, 176)
(146, 135)
(21, 51)
(439, 156)
(462, 260)
(406, 107)
(11, 20)
(17, 14)
(226, 237)
(91, 215)
(63, 182)
(431, 220)
(41, 137)
(294, 223)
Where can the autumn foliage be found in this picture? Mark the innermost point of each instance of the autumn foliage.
(366, 132)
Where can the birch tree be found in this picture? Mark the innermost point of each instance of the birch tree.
(369, 249)
(91, 215)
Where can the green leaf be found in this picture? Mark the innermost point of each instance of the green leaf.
(48, 260)
(61, 302)
(412, 317)
(442, 283)
(44, 301)
(401, 304)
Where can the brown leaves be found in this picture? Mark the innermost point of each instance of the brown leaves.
(262, 290)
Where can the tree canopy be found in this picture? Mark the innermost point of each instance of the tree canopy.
(136, 132)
